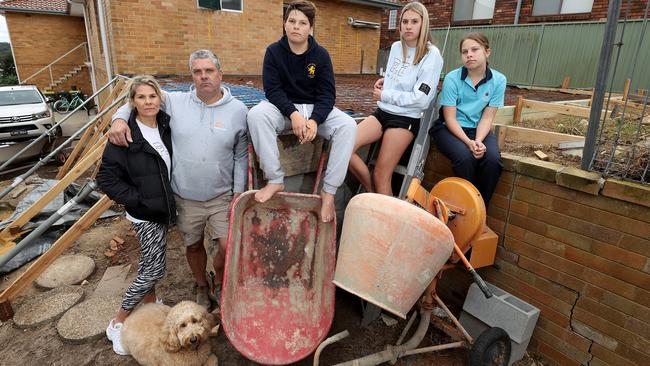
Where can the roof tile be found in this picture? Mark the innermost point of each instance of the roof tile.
(59, 6)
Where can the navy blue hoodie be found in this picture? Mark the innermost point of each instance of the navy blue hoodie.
(299, 79)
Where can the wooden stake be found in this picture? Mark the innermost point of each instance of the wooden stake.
(565, 82)
(501, 132)
(626, 89)
(518, 109)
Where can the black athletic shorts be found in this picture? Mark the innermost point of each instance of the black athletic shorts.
(389, 120)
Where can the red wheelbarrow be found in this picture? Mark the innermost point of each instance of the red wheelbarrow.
(278, 296)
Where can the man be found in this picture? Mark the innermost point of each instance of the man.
(209, 163)
(299, 85)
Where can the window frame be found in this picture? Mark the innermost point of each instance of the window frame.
(391, 13)
(219, 6)
(471, 21)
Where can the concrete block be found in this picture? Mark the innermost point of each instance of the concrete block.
(580, 180)
(502, 310)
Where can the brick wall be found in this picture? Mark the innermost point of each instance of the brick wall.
(441, 11)
(39, 39)
(577, 251)
(345, 43)
(240, 39)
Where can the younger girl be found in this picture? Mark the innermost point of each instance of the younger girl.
(137, 176)
(411, 82)
(470, 98)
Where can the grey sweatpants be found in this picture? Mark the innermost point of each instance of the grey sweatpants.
(265, 122)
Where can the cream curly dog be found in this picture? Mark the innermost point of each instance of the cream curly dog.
(157, 335)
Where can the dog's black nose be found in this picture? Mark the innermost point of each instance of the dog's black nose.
(194, 339)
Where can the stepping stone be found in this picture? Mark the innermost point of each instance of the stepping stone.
(115, 281)
(47, 306)
(66, 270)
(88, 320)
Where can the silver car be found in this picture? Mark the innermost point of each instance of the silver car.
(24, 113)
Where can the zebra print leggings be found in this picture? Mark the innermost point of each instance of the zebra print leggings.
(151, 267)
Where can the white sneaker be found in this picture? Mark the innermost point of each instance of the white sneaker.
(114, 334)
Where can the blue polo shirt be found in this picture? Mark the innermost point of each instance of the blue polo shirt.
(470, 101)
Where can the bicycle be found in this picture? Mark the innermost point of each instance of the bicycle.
(64, 106)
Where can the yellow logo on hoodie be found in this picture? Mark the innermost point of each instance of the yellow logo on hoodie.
(311, 70)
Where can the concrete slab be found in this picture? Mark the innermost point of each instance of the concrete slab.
(115, 281)
(66, 270)
(87, 321)
(47, 306)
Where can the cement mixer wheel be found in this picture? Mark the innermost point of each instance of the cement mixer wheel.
(491, 348)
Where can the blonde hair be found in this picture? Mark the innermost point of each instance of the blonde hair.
(424, 39)
(140, 80)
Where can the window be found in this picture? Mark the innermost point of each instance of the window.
(558, 7)
(228, 5)
(16, 97)
(392, 19)
(473, 9)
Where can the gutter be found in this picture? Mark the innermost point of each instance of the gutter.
(376, 3)
(32, 11)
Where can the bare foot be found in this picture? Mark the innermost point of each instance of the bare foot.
(268, 191)
(327, 210)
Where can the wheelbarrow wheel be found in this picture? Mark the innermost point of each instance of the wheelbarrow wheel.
(492, 348)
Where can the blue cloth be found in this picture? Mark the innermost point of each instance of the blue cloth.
(249, 95)
(470, 101)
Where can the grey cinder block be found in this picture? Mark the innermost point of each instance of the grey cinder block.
(503, 310)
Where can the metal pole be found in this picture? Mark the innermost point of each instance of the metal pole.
(53, 128)
(601, 80)
(44, 161)
(517, 12)
(444, 45)
(83, 193)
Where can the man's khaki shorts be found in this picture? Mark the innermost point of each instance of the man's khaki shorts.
(197, 217)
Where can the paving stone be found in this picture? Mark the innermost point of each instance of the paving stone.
(47, 306)
(87, 321)
(115, 281)
(66, 270)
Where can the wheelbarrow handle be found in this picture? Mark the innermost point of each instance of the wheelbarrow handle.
(481, 284)
(479, 281)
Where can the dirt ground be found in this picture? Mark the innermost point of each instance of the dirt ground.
(43, 346)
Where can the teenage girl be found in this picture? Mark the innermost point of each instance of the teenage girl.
(470, 98)
(407, 90)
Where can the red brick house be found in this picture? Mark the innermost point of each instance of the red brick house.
(156, 37)
(456, 13)
(42, 32)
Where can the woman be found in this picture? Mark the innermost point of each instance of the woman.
(409, 87)
(137, 176)
(470, 98)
